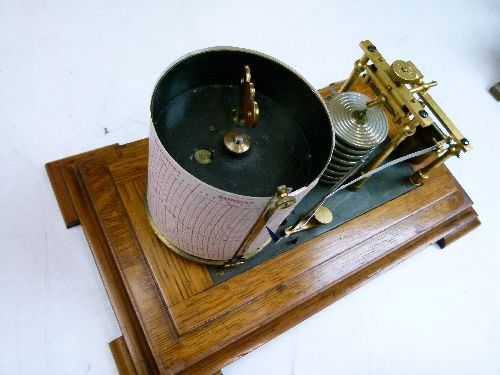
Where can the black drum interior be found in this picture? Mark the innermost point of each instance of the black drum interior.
(192, 108)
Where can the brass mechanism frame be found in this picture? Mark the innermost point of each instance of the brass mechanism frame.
(401, 88)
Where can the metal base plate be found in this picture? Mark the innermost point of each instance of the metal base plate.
(345, 205)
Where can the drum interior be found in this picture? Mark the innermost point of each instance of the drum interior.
(279, 153)
(192, 107)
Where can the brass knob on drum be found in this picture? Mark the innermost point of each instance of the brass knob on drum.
(237, 141)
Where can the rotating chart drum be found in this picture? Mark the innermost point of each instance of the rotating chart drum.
(232, 130)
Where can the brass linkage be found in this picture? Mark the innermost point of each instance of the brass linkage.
(280, 201)
(322, 216)
(422, 174)
(359, 67)
(380, 100)
(423, 87)
(248, 112)
(406, 131)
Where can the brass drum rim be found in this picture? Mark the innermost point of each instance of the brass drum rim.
(186, 255)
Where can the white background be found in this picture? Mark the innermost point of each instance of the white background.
(70, 69)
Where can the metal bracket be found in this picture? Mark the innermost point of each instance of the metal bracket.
(402, 90)
(248, 113)
(280, 201)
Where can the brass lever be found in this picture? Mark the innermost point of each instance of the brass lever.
(322, 216)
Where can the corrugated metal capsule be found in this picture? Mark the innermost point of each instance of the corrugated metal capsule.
(358, 130)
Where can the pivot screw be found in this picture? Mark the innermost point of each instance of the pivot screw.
(464, 141)
(423, 113)
(238, 140)
(372, 48)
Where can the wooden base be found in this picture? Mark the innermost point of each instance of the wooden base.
(175, 320)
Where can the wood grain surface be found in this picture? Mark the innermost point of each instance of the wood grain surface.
(122, 357)
(174, 320)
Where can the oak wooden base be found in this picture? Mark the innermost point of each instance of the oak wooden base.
(175, 320)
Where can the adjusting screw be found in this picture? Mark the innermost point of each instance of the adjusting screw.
(423, 113)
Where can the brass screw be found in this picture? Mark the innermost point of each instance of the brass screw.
(423, 113)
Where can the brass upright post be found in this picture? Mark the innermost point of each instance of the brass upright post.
(406, 131)
(280, 201)
(359, 66)
(419, 176)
